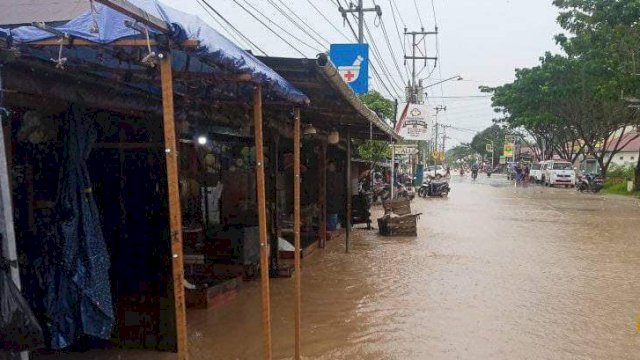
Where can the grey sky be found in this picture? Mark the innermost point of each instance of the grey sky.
(482, 40)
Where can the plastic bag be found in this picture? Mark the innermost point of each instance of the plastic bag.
(19, 328)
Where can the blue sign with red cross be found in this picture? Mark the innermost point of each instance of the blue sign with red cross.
(352, 61)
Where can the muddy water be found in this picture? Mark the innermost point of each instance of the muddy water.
(495, 273)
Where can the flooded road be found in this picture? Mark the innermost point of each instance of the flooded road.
(495, 273)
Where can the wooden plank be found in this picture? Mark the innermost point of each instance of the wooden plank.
(191, 43)
(296, 230)
(322, 194)
(136, 13)
(175, 214)
(262, 222)
(349, 191)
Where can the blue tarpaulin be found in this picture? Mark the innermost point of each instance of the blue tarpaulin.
(215, 52)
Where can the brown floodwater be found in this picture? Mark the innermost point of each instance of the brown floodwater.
(496, 272)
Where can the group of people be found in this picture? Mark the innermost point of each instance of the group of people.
(522, 172)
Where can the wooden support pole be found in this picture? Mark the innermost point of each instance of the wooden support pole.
(175, 214)
(296, 229)
(262, 221)
(349, 190)
(322, 194)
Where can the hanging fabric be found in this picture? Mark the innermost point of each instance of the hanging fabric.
(78, 300)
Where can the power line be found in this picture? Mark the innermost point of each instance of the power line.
(274, 32)
(378, 55)
(400, 37)
(298, 25)
(327, 20)
(231, 25)
(391, 51)
(418, 13)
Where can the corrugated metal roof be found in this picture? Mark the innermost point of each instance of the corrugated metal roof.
(18, 12)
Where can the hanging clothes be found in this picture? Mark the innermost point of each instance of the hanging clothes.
(78, 300)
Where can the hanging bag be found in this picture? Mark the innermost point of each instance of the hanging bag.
(19, 328)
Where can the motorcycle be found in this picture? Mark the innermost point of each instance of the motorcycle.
(590, 182)
(474, 174)
(489, 172)
(434, 188)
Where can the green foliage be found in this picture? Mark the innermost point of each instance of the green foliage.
(621, 171)
(479, 143)
(382, 106)
(372, 150)
(461, 152)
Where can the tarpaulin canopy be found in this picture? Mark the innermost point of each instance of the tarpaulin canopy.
(214, 53)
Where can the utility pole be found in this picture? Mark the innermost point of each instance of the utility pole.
(418, 38)
(437, 126)
(360, 10)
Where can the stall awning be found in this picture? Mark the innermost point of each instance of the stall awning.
(333, 103)
(213, 55)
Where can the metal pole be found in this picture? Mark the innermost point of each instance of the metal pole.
(349, 190)
(360, 22)
(262, 221)
(175, 212)
(323, 194)
(296, 230)
(413, 71)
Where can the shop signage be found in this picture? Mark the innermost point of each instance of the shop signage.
(508, 150)
(352, 62)
(413, 122)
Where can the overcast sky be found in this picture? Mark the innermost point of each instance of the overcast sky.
(481, 40)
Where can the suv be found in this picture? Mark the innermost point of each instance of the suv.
(559, 173)
(435, 171)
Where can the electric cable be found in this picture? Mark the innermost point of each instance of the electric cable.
(294, 22)
(327, 20)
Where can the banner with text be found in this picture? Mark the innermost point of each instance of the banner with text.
(413, 122)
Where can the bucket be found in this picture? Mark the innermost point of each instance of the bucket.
(332, 222)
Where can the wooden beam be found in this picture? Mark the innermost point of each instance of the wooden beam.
(175, 213)
(349, 191)
(296, 229)
(188, 75)
(322, 194)
(136, 13)
(190, 43)
(262, 221)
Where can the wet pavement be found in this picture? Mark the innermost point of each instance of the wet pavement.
(496, 272)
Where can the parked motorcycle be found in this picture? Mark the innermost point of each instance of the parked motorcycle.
(434, 188)
(590, 182)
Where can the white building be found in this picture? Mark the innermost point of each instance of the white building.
(629, 154)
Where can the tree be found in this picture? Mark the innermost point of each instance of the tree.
(382, 106)
(607, 32)
(462, 152)
(494, 133)
(375, 151)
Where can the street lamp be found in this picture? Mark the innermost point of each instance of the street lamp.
(457, 78)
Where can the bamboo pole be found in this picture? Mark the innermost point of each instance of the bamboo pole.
(322, 201)
(296, 229)
(262, 221)
(349, 190)
(175, 215)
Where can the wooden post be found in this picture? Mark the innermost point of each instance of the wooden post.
(296, 229)
(175, 214)
(322, 194)
(262, 221)
(348, 222)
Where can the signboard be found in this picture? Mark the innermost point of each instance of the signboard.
(405, 149)
(508, 150)
(413, 122)
(352, 62)
(489, 148)
(503, 160)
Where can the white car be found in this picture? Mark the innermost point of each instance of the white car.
(535, 173)
(435, 171)
(559, 173)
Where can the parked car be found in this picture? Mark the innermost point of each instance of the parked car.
(435, 172)
(535, 172)
(557, 172)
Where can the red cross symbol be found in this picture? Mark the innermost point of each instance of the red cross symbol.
(349, 76)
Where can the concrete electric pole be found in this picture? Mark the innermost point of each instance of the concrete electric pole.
(418, 38)
(360, 10)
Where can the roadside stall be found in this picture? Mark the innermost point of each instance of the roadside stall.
(101, 211)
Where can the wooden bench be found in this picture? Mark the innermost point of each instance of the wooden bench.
(398, 220)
